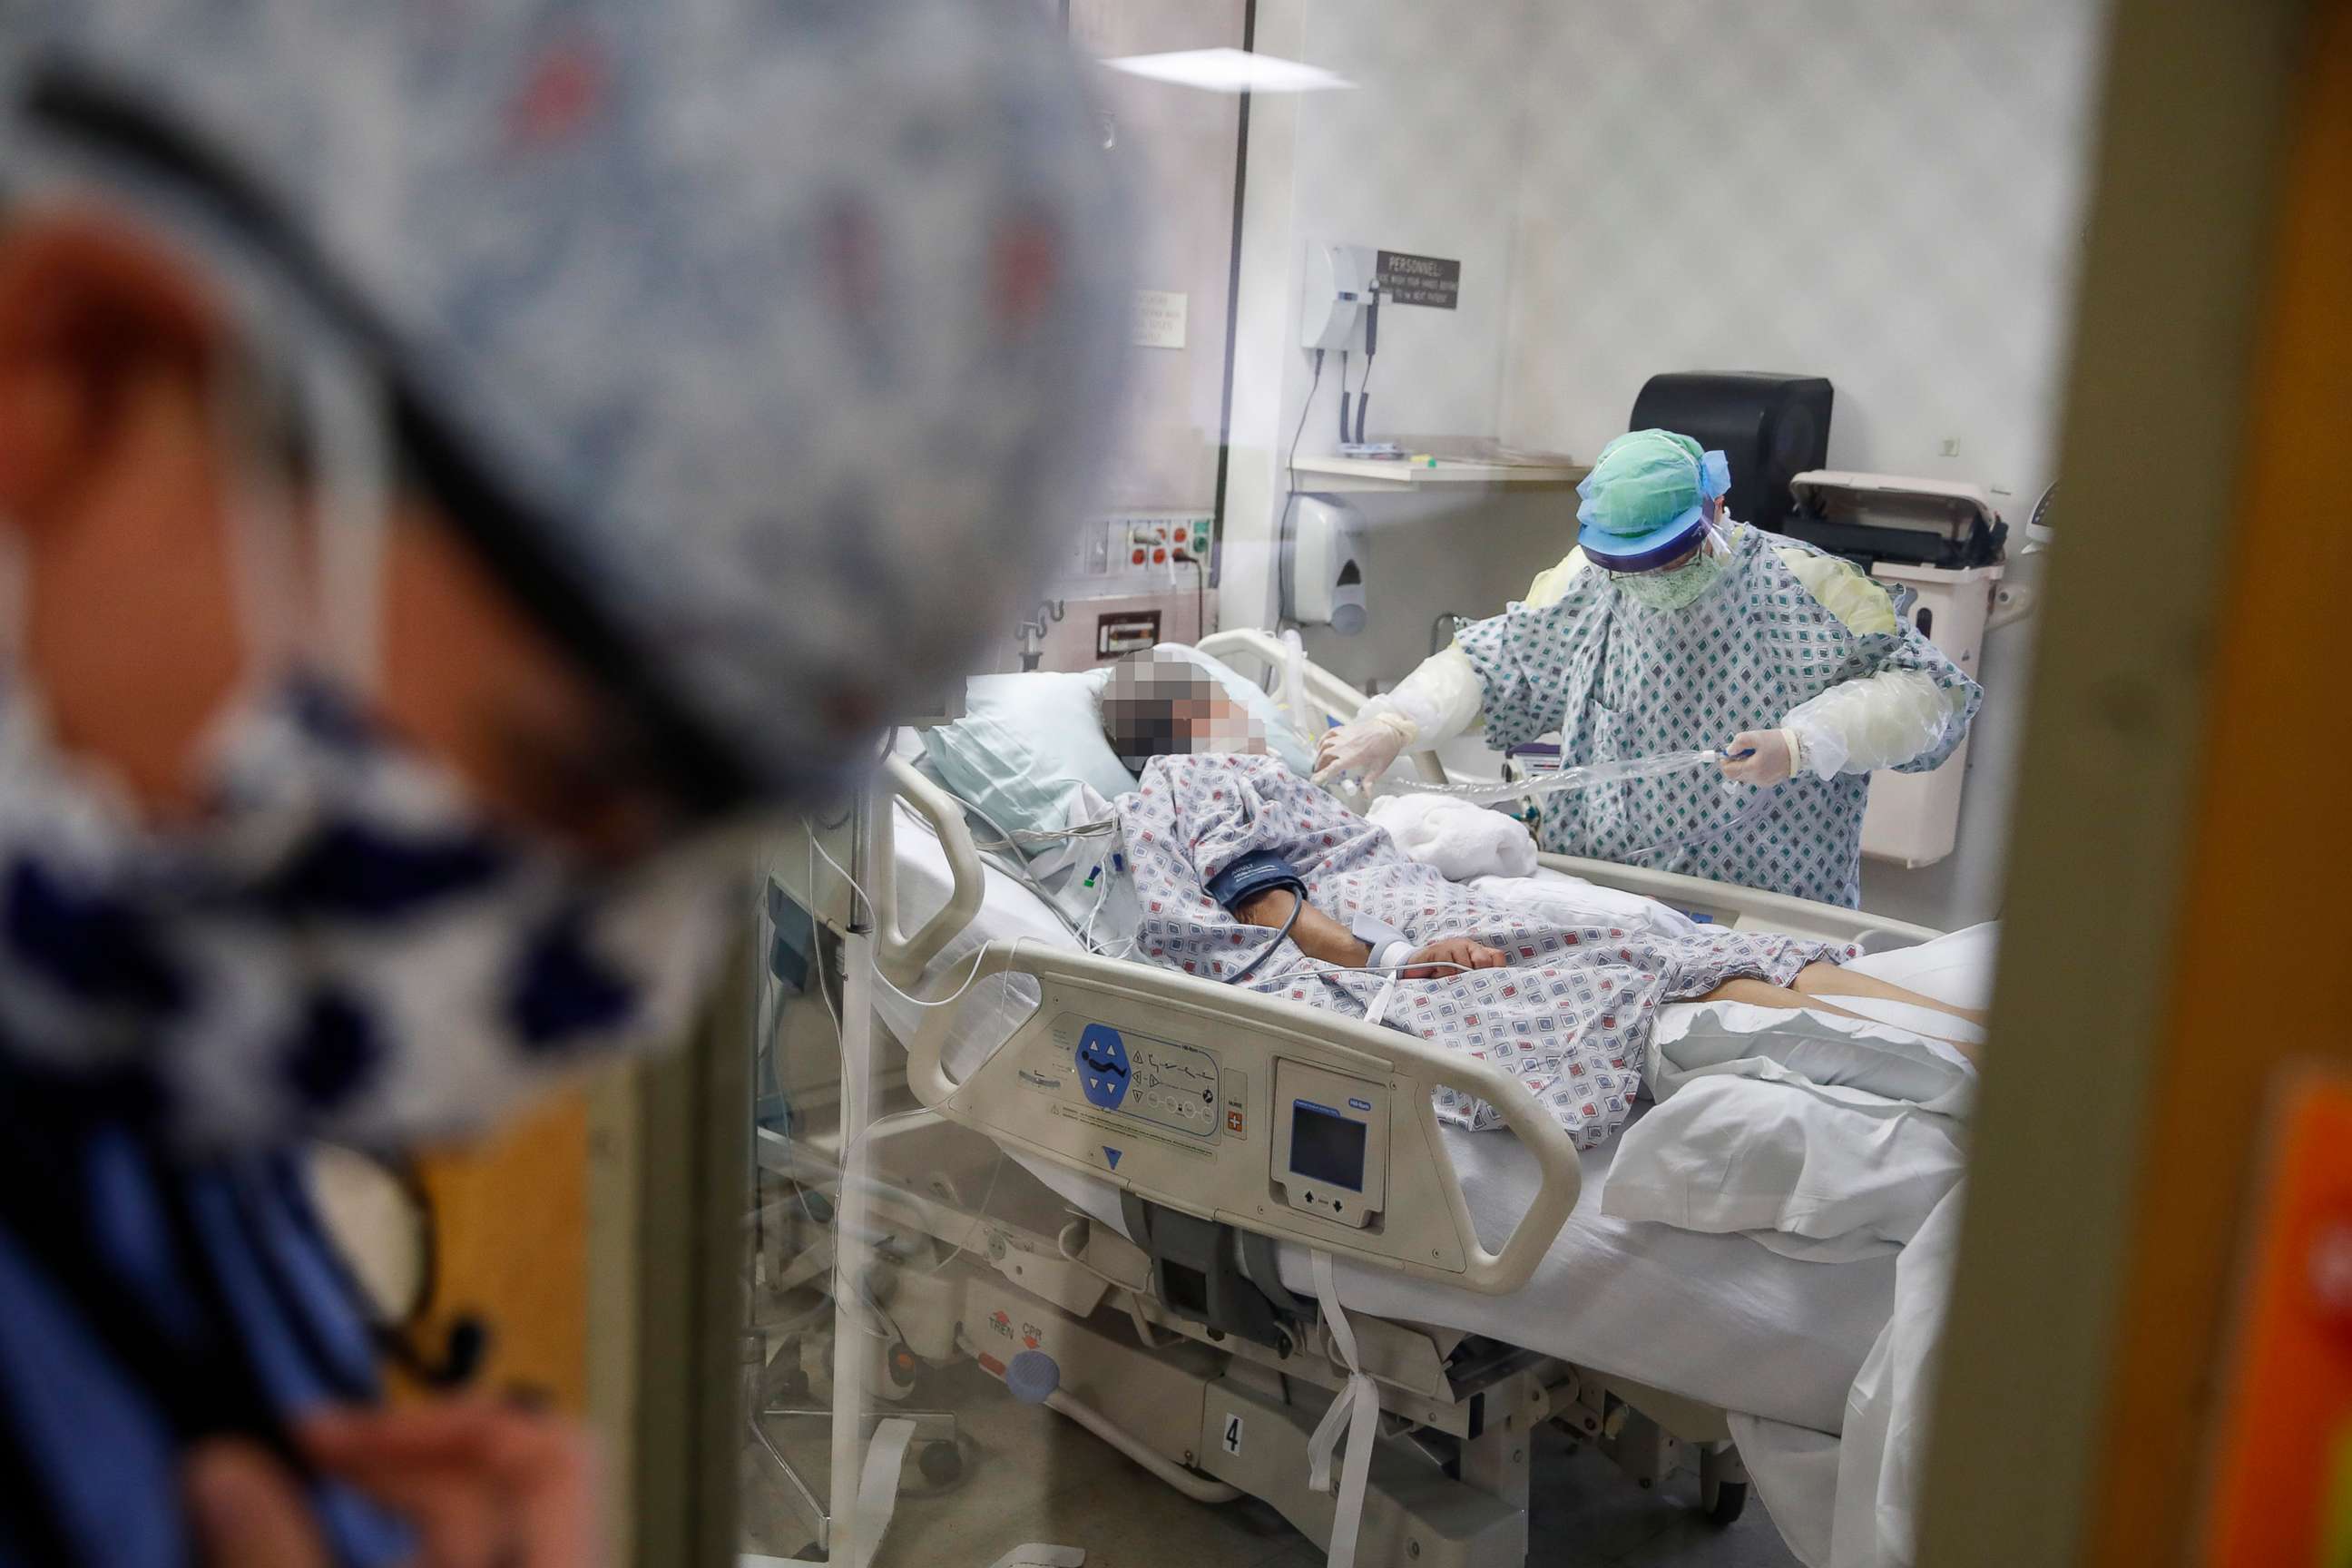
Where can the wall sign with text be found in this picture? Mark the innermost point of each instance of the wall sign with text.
(1407, 279)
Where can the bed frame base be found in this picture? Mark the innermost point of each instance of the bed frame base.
(1416, 1514)
(1449, 1483)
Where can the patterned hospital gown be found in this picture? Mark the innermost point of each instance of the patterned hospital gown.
(1617, 679)
(1570, 1015)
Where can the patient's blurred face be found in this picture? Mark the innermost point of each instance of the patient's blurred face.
(1225, 725)
(1160, 708)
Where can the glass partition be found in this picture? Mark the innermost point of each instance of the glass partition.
(1067, 1235)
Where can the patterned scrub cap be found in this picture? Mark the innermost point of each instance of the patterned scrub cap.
(758, 345)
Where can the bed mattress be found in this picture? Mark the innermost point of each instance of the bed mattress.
(1718, 1319)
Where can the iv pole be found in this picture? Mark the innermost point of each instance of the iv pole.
(853, 1217)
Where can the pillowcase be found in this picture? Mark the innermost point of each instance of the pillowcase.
(1024, 744)
(1026, 741)
(1282, 740)
(1957, 967)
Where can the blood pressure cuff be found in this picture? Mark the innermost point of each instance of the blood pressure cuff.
(1259, 871)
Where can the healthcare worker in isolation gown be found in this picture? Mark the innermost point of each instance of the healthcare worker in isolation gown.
(460, 465)
(1672, 628)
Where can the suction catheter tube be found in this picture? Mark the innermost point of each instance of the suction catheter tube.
(1591, 775)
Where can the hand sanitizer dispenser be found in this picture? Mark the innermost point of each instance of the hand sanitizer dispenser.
(1324, 559)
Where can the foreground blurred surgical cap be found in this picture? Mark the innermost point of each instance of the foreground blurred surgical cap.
(758, 344)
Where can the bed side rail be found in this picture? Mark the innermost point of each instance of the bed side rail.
(902, 957)
(1260, 1151)
(1325, 690)
(813, 880)
(1747, 908)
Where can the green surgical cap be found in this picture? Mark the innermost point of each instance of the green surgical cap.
(1646, 492)
(1643, 480)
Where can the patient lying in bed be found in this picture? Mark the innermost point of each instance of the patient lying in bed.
(1245, 872)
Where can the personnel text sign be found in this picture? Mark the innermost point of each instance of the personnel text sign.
(1419, 279)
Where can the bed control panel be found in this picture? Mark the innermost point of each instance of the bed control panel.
(1225, 1116)
(1330, 1143)
(1172, 1086)
(1328, 1130)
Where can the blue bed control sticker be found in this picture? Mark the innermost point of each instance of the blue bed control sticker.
(1104, 1071)
(1360, 1105)
(1112, 1155)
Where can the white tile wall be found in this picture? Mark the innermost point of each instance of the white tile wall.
(1884, 191)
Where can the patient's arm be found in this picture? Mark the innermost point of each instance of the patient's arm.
(1316, 933)
(1320, 936)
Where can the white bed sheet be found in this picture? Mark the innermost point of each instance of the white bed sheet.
(1714, 1318)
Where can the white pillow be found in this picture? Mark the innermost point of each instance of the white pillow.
(1026, 741)
(1851, 1174)
(1024, 744)
(1956, 968)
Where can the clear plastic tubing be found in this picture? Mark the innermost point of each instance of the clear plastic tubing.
(1585, 777)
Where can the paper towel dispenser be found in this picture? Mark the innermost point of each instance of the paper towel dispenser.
(1771, 426)
(1874, 518)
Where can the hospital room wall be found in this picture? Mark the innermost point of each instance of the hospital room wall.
(1433, 554)
(1421, 154)
(1888, 193)
(1177, 144)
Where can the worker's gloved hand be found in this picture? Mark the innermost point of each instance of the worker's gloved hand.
(1440, 958)
(1760, 756)
(1366, 748)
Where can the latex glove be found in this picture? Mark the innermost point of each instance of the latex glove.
(1366, 748)
(1436, 962)
(1769, 756)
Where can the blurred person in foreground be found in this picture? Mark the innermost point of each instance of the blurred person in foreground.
(460, 462)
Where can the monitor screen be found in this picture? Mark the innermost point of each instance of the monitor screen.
(1325, 1146)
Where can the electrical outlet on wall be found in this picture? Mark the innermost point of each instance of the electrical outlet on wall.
(1145, 544)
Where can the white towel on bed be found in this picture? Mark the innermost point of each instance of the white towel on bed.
(1461, 840)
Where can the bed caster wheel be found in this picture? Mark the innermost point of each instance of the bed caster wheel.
(1728, 1503)
(942, 1462)
(1722, 1485)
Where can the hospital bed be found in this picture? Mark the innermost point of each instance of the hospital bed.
(1182, 1150)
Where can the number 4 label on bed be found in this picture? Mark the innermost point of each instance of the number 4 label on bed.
(1233, 1434)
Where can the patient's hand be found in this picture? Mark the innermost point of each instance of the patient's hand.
(1434, 961)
